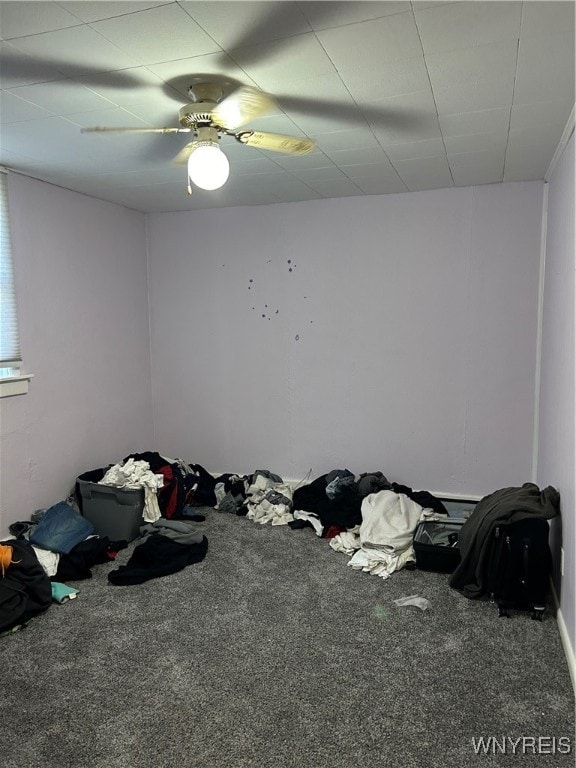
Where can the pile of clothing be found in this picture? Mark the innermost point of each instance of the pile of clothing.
(382, 543)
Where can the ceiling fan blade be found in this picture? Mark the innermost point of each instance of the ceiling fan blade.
(182, 157)
(277, 142)
(242, 106)
(106, 129)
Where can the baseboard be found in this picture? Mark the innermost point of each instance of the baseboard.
(565, 638)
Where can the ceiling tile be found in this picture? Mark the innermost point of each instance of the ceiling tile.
(89, 11)
(476, 142)
(160, 112)
(179, 74)
(410, 117)
(358, 156)
(475, 97)
(494, 62)
(62, 97)
(312, 94)
(239, 24)
(307, 175)
(461, 25)
(18, 69)
(31, 138)
(335, 187)
(357, 138)
(483, 121)
(156, 35)
(318, 115)
(306, 56)
(373, 42)
(283, 187)
(545, 71)
(292, 162)
(380, 170)
(554, 20)
(540, 113)
(324, 15)
(114, 117)
(539, 137)
(149, 176)
(251, 164)
(425, 173)
(367, 82)
(74, 51)
(136, 86)
(30, 18)
(358, 84)
(476, 168)
(415, 149)
(433, 3)
(372, 185)
(524, 163)
(274, 124)
(14, 109)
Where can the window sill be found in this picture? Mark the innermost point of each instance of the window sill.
(15, 385)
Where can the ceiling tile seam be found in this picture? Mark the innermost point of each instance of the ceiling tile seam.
(360, 110)
(287, 170)
(513, 92)
(37, 34)
(354, 23)
(11, 91)
(220, 49)
(137, 63)
(433, 95)
(115, 15)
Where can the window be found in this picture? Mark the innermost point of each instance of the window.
(12, 381)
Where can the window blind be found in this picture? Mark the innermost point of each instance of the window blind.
(9, 338)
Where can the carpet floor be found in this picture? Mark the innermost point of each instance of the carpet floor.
(272, 653)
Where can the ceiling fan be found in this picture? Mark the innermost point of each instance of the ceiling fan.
(212, 113)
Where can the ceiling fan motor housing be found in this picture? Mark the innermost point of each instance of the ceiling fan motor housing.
(192, 115)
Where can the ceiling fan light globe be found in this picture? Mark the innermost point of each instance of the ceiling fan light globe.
(208, 167)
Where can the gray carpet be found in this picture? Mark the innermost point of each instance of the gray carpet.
(272, 653)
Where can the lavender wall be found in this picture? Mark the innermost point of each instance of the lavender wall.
(394, 333)
(80, 271)
(557, 437)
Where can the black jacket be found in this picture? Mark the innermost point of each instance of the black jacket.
(508, 505)
(25, 589)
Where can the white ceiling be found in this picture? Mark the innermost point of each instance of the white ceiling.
(399, 96)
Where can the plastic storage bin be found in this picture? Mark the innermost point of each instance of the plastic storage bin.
(436, 544)
(114, 512)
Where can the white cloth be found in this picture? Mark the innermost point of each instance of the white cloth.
(385, 536)
(381, 563)
(137, 474)
(388, 522)
(347, 541)
(311, 517)
(47, 559)
(262, 504)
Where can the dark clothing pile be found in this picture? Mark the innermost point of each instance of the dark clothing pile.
(505, 506)
(166, 546)
(25, 589)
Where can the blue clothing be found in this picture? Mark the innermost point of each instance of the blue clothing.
(61, 529)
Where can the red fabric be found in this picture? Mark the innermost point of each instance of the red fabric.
(332, 531)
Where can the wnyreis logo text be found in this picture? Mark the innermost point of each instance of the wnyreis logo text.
(521, 745)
